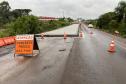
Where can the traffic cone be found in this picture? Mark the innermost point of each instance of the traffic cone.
(65, 36)
(81, 34)
(42, 35)
(112, 47)
(91, 32)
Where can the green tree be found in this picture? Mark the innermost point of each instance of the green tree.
(20, 12)
(4, 12)
(105, 19)
(121, 11)
(70, 19)
(122, 29)
(113, 25)
(25, 25)
(62, 19)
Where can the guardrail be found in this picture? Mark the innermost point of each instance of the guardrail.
(39, 35)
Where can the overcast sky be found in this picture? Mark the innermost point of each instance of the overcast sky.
(87, 9)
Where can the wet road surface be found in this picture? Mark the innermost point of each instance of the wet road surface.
(74, 61)
(91, 63)
(46, 68)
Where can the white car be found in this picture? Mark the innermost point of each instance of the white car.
(90, 26)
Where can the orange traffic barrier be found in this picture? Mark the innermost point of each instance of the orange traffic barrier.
(112, 47)
(14, 37)
(65, 36)
(42, 35)
(9, 40)
(2, 42)
(6, 40)
(81, 34)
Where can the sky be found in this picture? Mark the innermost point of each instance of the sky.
(86, 9)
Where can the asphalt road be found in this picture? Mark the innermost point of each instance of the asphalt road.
(45, 68)
(91, 63)
(74, 61)
(70, 30)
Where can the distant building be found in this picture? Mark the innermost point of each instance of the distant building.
(45, 18)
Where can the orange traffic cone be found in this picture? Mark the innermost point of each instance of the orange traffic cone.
(81, 34)
(42, 35)
(65, 36)
(112, 47)
(91, 32)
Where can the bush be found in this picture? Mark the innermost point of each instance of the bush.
(122, 28)
(4, 33)
(24, 25)
(31, 25)
(113, 24)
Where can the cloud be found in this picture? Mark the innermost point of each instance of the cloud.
(71, 8)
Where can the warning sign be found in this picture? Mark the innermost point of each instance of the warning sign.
(25, 44)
